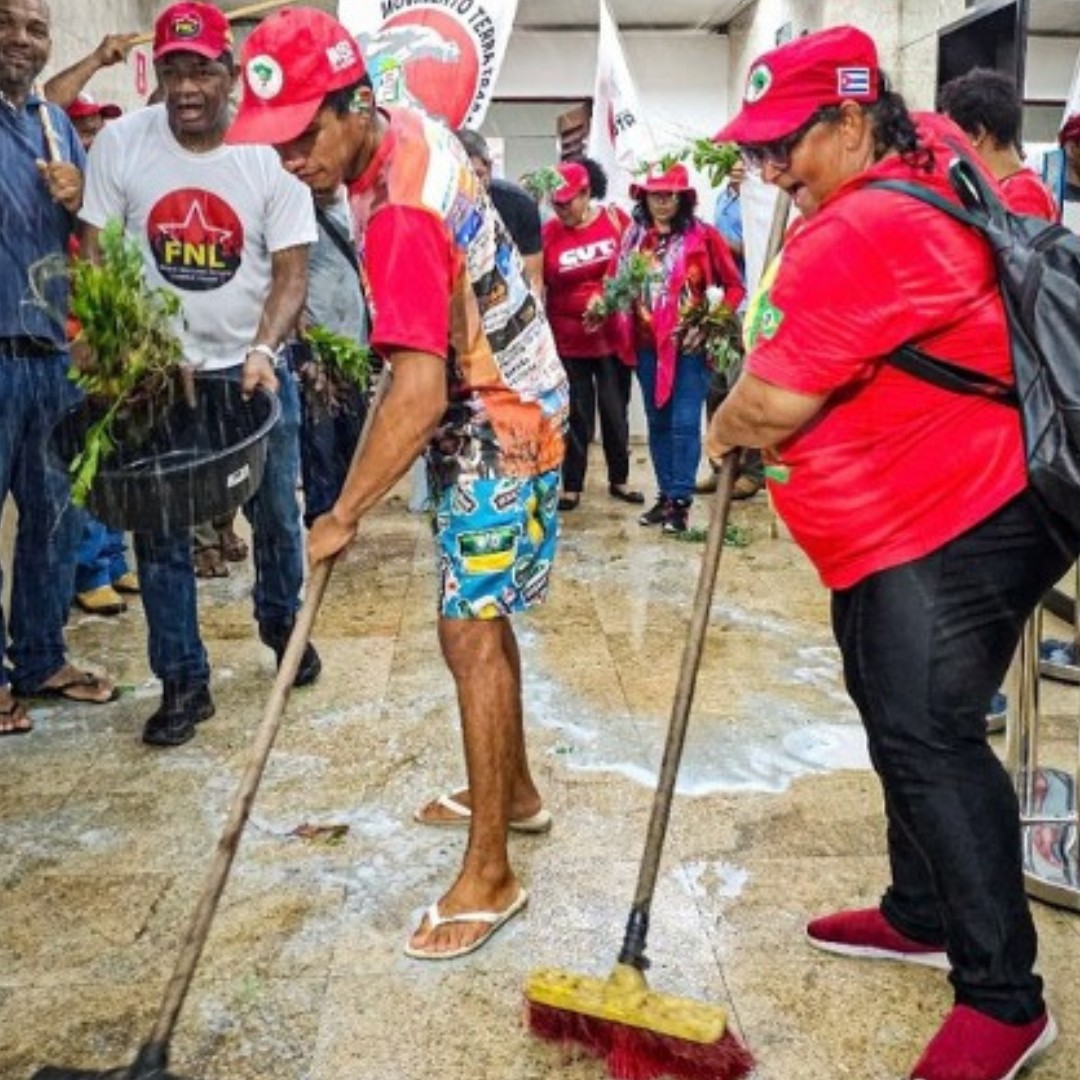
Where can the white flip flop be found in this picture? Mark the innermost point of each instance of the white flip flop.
(537, 823)
(493, 919)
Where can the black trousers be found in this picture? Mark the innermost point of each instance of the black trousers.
(924, 646)
(598, 383)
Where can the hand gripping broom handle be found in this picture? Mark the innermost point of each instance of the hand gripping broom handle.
(154, 1053)
(637, 928)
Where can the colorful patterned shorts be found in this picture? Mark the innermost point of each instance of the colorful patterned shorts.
(495, 542)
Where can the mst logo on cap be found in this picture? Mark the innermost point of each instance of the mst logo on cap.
(264, 77)
(757, 83)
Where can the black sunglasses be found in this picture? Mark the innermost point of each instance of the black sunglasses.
(778, 152)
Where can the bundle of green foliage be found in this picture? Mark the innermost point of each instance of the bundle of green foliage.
(130, 361)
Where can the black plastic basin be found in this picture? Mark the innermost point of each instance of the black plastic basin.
(197, 463)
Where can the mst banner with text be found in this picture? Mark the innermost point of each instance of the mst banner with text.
(442, 56)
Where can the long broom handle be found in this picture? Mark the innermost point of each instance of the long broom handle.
(155, 1052)
(633, 950)
(637, 927)
(238, 13)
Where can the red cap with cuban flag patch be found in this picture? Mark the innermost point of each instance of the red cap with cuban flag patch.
(788, 85)
(291, 61)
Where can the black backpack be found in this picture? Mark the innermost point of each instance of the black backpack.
(1038, 265)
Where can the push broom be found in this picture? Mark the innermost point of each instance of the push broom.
(152, 1060)
(641, 1033)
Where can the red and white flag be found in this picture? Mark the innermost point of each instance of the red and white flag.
(441, 56)
(619, 137)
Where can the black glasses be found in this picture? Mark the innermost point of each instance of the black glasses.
(778, 152)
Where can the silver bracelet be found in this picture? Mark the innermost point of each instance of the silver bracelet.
(267, 350)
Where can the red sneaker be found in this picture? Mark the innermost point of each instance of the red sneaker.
(866, 933)
(970, 1045)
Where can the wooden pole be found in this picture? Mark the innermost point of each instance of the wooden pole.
(51, 140)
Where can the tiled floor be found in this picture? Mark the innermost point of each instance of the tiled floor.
(105, 842)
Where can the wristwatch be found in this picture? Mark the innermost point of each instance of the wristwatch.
(267, 350)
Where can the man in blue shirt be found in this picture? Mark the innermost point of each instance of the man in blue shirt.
(40, 192)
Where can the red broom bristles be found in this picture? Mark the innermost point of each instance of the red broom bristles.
(637, 1054)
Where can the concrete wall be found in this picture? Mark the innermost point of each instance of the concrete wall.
(77, 28)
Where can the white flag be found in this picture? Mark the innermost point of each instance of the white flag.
(441, 56)
(619, 138)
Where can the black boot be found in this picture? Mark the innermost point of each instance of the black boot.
(183, 705)
(678, 516)
(277, 635)
(658, 512)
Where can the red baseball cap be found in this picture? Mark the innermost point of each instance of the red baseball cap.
(1070, 130)
(788, 85)
(192, 27)
(575, 180)
(85, 105)
(291, 61)
(676, 179)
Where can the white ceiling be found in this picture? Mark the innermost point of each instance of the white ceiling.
(584, 14)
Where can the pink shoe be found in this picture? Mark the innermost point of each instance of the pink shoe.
(866, 933)
(970, 1045)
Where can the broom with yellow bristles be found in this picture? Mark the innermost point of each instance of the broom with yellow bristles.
(643, 1034)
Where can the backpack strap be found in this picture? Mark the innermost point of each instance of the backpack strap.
(909, 358)
(959, 380)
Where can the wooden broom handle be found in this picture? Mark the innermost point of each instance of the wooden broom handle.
(52, 143)
(232, 16)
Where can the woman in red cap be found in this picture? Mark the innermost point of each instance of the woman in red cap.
(913, 503)
(687, 258)
(579, 243)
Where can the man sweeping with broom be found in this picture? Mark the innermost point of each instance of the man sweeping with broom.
(476, 380)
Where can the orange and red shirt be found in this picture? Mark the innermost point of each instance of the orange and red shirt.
(446, 279)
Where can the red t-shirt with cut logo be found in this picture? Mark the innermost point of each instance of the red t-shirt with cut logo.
(892, 467)
(575, 262)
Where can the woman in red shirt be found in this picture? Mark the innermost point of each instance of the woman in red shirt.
(580, 242)
(687, 259)
(913, 503)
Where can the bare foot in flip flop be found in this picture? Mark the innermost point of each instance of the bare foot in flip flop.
(456, 809)
(83, 687)
(461, 922)
(14, 719)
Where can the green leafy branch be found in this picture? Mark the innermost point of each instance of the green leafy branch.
(542, 183)
(338, 365)
(714, 160)
(130, 359)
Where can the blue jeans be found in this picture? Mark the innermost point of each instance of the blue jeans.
(925, 645)
(167, 576)
(675, 429)
(35, 391)
(100, 559)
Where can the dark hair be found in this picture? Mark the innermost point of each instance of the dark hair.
(598, 178)
(475, 144)
(684, 215)
(340, 102)
(985, 99)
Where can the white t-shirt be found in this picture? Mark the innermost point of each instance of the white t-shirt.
(208, 224)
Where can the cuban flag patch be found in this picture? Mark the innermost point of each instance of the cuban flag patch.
(853, 81)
